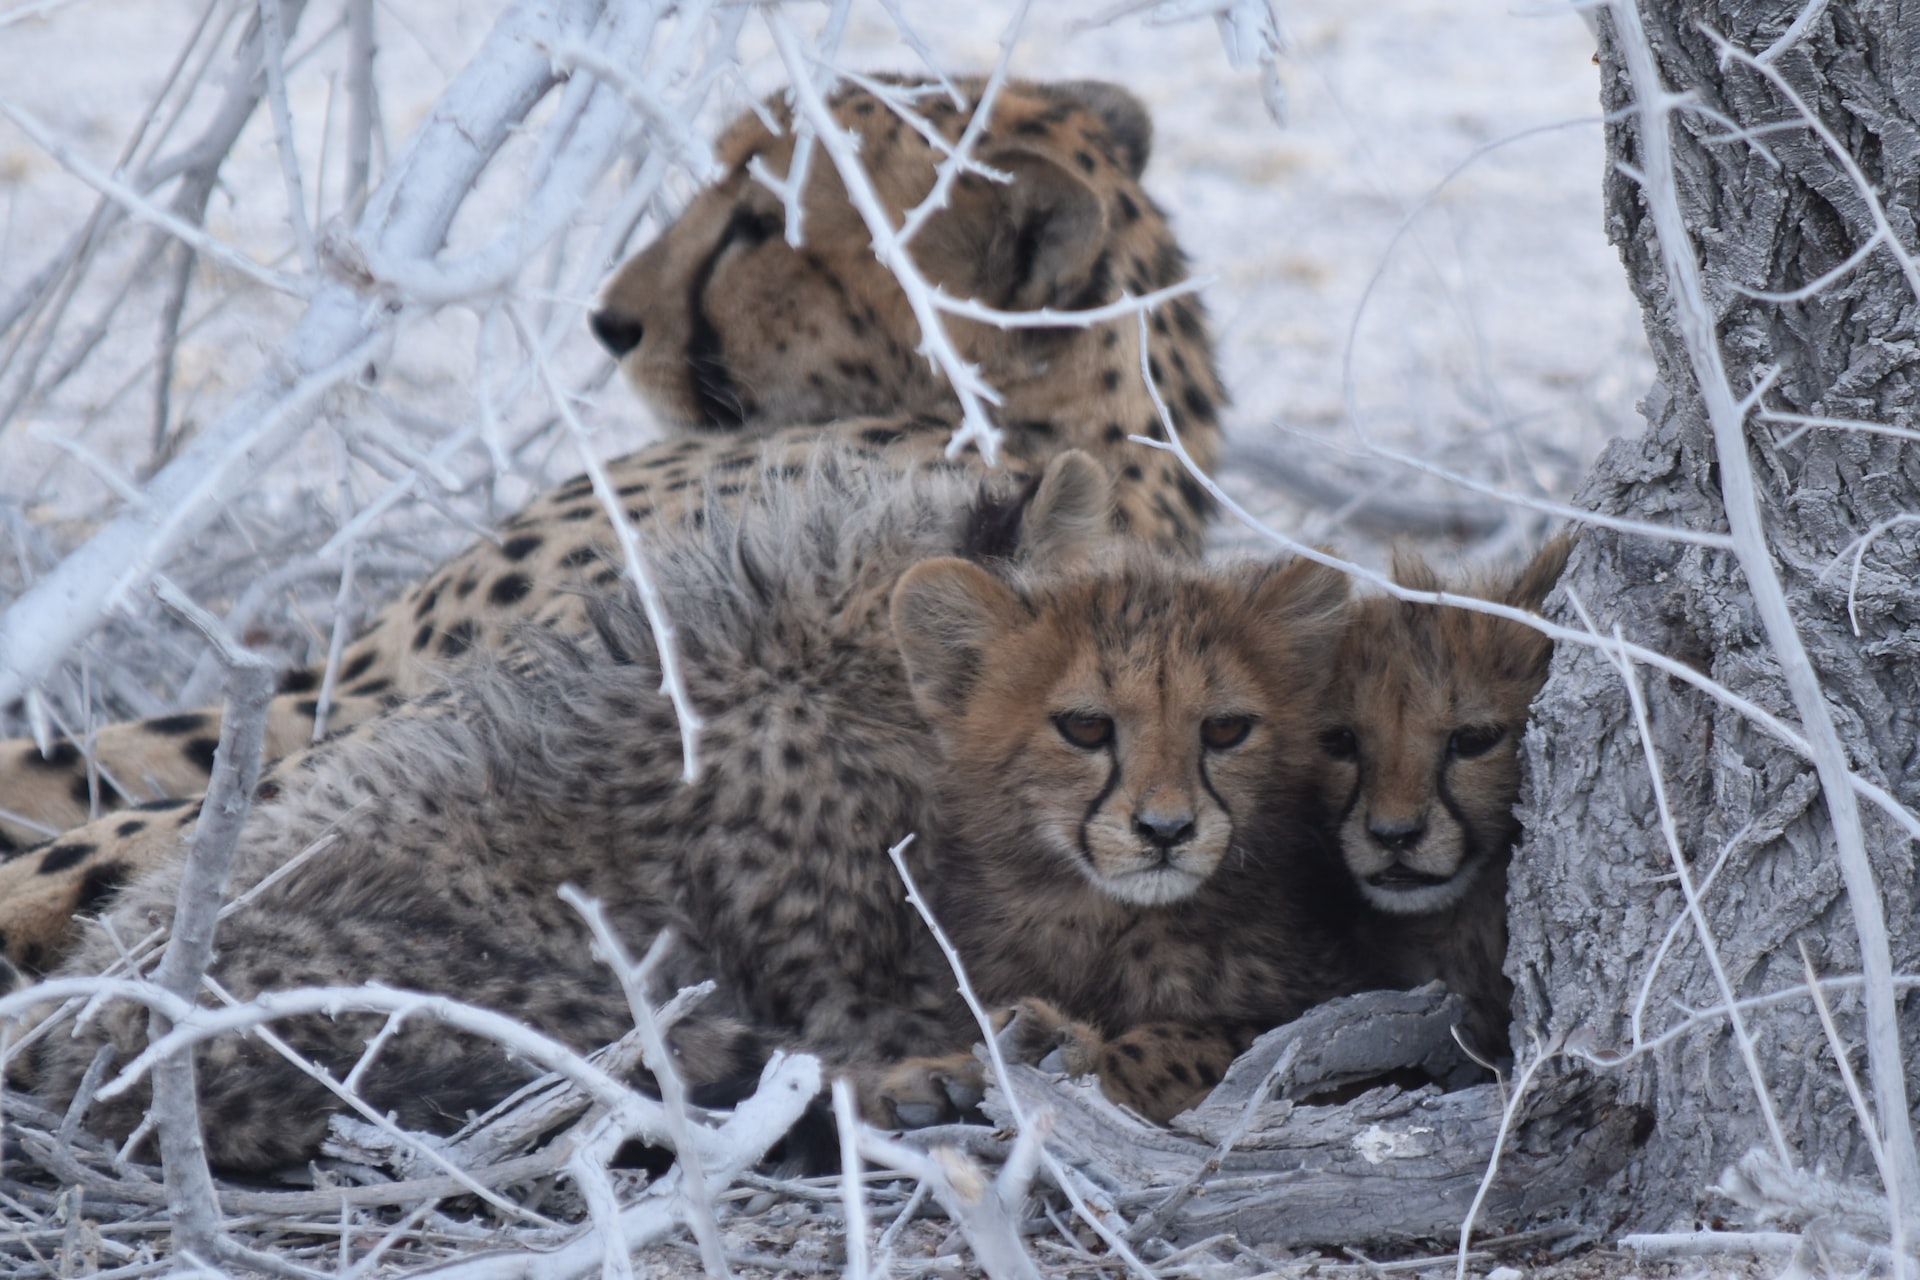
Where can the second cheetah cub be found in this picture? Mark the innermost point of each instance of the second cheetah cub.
(1424, 771)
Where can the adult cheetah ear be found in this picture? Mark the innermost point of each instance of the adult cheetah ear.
(1071, 514)
(948, 618)
(1530, 588)
(1037, 241)
(1126, 118)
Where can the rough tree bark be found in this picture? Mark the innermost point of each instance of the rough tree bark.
(1594, 886)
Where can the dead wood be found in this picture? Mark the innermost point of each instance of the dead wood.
(1387, 1167)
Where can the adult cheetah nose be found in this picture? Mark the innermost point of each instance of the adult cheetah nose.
(617, 333)
(1397, 834)
(1165, 828)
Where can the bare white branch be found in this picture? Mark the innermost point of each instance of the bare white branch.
(1656, 776)
(969, 1197)
(1806, 117)
(672, 680)
(1024, 1121)
(138, 206)
(203, 886)
(1763, 719)
(961, 157)
(673, 1092)
(274, 48)
(853, 1196)
(1794, 33)
(1838, 1047)
(1048, 318)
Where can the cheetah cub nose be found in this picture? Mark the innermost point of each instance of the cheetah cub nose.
(617, 333)
(1398, 836)
(1164, 829)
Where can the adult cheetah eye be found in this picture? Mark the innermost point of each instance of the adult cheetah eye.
(1340, 744)
(1475, 740)
(1222, 733)
(1087, 731)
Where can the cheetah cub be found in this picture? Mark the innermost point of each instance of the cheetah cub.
(1131, 829)
(447, 827)
(1424, 771)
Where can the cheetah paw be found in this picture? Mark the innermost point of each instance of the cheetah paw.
(918, 1092)
(1037, 1033)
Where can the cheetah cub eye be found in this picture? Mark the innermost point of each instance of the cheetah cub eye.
(1087, 730)
(1474, 740)
(1340, 744)
(1223, 733)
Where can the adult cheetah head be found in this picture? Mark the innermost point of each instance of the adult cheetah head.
(723, 324)
(1125, 724)
(1424, 765)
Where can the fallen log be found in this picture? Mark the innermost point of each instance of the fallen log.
(1263, 1159)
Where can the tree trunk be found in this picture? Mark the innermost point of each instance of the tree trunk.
(1594, 886)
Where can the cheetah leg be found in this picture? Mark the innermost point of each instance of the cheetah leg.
(44, 887)
(1160, 1069)
(921, 1091)
(44, 890)
(139, 762)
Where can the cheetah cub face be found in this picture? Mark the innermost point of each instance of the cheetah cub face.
(1146, 715)
(1424, 767)
(1151, 757)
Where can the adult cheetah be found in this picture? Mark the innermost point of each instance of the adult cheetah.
(763, 349)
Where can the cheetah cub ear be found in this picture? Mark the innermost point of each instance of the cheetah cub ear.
(1530, 588)
(1307, 603)
(1071, 514)
(948, 618)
